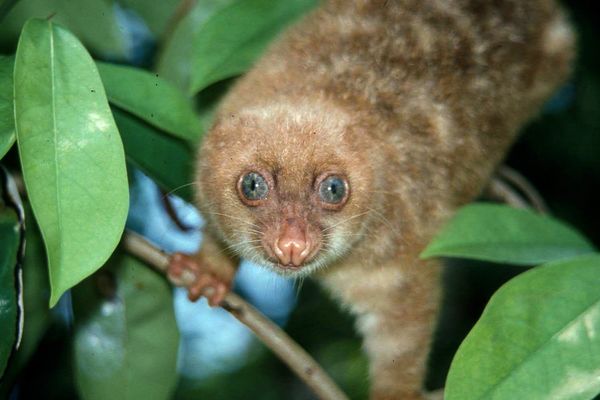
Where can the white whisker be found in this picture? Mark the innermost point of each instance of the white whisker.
(235, 218)
(178, 188)
(344, 221)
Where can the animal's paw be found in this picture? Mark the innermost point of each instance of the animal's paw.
(203, 282)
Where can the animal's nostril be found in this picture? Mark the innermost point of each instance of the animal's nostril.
(282, 256)
(292, 246)
(291, 250)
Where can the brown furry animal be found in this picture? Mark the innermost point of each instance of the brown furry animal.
(343, 151)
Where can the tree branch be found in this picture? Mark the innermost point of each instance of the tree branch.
(500, 190)
(505, 186)
(270, 334)
(520, 182)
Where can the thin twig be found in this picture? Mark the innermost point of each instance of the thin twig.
(502, 191)
(270, 334)
(516, 179)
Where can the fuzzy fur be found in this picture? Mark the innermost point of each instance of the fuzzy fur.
(415, 102)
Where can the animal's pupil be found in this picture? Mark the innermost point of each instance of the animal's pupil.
(333, 189)
(253, 185)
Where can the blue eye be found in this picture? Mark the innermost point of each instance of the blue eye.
(332, 190)
(254, 186)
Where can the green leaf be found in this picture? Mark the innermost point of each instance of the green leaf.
(538, 338)
(503, 234)
(10, 239)
(7, 120)
(126, 336)
(167, 160)
(152, 99)
(232, 39)
(71, 154)
(94, 22)
(175, 61)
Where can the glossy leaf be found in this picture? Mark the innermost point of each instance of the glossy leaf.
(503, 234)
(126, 336)
(152, 99)
(9, 246)
(93, 21)
(71, 154)
(175, 58)
(538, 338)
(7, 121)
(167, 160)
(232, 39)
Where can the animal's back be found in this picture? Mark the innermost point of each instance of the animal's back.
(441, 86)
(385, 53)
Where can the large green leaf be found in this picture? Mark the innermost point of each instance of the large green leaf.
(167, 160)
(7, 120)
(503, 234)
(93, 21)
(71, 154)
(175, 57)
(232, 39)
(126, 336)
(538, 338)
(152, 99)
(10, 239)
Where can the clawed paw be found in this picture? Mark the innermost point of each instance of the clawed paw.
(198, 278)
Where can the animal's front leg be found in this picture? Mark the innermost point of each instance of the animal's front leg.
(396, 307)
(211, 270)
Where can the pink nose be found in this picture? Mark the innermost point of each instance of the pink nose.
(291, 248)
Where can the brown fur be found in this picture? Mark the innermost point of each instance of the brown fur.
(416, 102)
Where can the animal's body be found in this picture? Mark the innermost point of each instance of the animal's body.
(360, 131)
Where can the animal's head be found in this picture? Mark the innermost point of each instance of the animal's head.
(287, 186)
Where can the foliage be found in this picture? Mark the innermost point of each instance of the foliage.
(81, 123)
(7, 126)
(67, 138)
(506, 235)
(115, 333)
(245, 28)
(538, 336)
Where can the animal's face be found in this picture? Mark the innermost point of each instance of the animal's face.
(285, 186)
